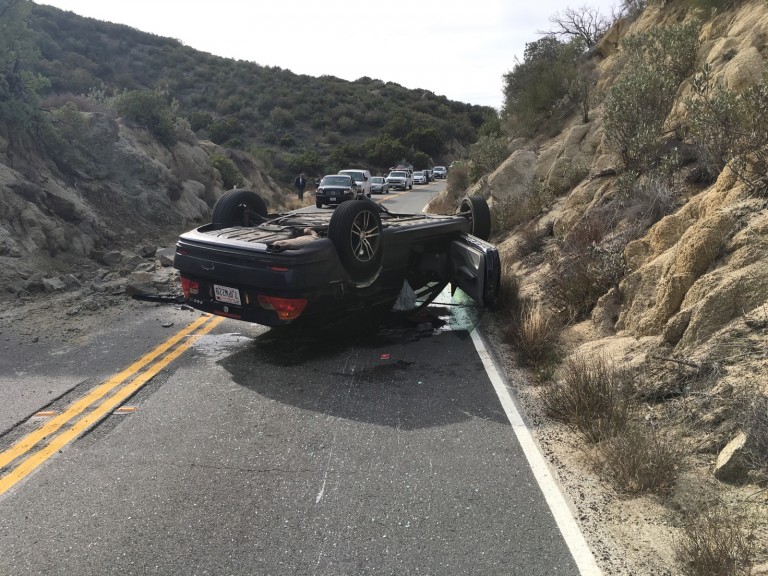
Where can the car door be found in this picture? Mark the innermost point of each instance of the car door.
(475, 268)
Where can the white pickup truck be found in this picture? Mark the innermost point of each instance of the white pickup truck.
(401, 179)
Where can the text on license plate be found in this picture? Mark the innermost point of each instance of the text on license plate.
(226, 294)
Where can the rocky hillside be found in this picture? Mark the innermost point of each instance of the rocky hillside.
(131, 193)
(659, 271)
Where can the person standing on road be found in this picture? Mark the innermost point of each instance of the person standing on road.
(300, 184)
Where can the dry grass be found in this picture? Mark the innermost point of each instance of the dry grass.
(537, 333)
(512, 212)
(642, 460)
(509, 291)
(532, 237)
(715, 543)
(290, 201)
(592, 396)
(580, 278)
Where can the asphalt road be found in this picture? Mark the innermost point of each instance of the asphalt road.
(242, 451)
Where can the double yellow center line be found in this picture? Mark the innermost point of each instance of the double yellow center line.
(29, 452)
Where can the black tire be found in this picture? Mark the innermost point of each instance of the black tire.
(355, 230)
(318, 204)
(476, 210)
(238, 208)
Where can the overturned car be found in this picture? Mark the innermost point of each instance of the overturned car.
(314, 266)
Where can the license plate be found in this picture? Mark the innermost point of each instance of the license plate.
(226, 294)
(334, 199)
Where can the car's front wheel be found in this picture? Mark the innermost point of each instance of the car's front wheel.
(355, 230)
(476, 210)
(238, 208)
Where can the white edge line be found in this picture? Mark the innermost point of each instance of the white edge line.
(570, 530)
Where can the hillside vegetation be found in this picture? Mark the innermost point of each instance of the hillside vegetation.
(289, 122)
(631, 209)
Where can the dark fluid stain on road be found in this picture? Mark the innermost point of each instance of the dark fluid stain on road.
(399, 375)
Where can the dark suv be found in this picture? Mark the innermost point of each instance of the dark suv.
(335, 189)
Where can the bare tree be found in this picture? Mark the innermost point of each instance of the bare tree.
(586, 23)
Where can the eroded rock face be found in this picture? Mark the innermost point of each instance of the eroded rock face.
(125, 189)
(654, 292)
(697, 270)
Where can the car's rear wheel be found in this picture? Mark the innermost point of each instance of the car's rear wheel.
(355, 230)
(476, 210)
(238, 208)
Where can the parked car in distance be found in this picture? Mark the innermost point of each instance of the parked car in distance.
(379, 185)
(362, 177)
(335, 189)
(419, 177)
(440, 171)
(401, 179)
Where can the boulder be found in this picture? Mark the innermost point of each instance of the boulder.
(71, 282)
(512, 180)
(165, 255)
(53, 284)
(111, 258)
(732, 464)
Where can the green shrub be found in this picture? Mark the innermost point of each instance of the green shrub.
(384, 151)
(486, 155)
(420, 159)
(307, 161)
(200, 120)
(230, 174)
(287, 141)
(281, 118)
(427, 140)
(221, 131)
(731, 128)
(151, 110)
(656, 62)
(70, 122)
(635, 110)
(536, 90)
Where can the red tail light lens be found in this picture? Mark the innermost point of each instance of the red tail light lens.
(286, 308)
(189, 286)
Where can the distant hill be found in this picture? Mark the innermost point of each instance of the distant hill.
(289, 121)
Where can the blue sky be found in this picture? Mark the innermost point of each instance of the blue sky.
(454, 48)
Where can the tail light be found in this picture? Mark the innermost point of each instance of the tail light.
(189, 286)
(286, 308)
